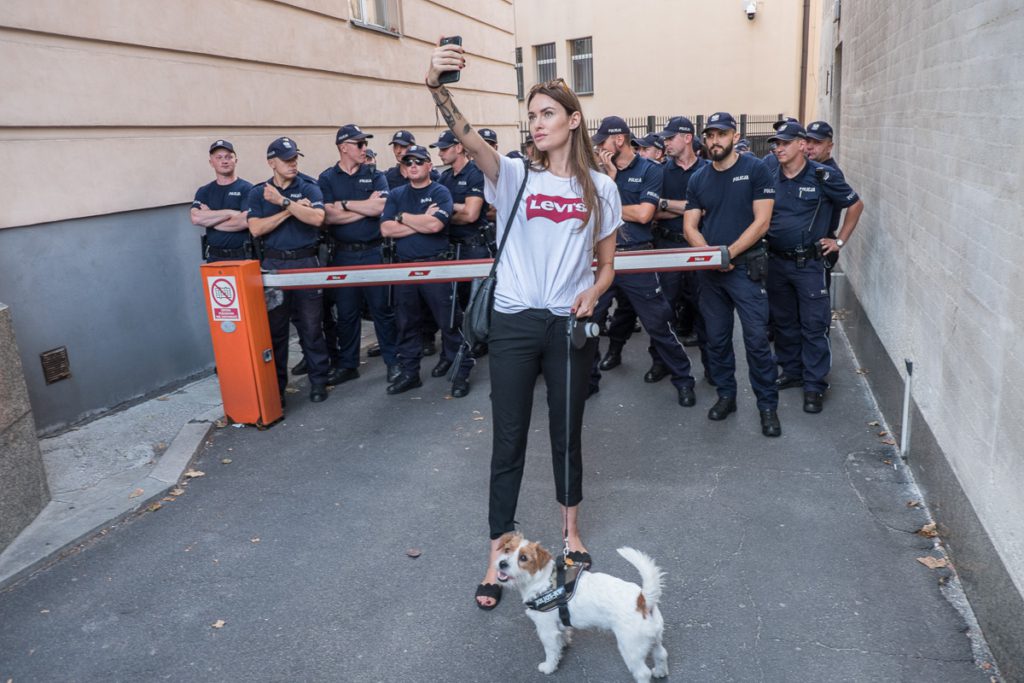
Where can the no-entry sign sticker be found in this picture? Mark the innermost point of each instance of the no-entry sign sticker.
(224, 297)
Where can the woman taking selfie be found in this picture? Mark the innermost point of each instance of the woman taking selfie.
(567, 216)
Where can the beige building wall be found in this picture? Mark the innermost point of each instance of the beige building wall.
(114, 103)
(667, 57)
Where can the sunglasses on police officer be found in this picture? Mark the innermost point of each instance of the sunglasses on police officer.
(360, 144)
(414, 162)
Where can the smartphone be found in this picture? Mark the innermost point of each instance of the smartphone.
(450, 76)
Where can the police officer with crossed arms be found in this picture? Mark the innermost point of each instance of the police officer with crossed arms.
(218, 208)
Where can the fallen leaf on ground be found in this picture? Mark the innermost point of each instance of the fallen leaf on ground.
(163, 398)
(928, 530)
(413, 552)
(218, 624)
(889, 442)
(136, 493)
(153, 507)
(291, 390)
(168, 499)
(873, 423)
(254, 539)
(220, 424)
(225, 461)
(44, 611)
(480, 417)
(862, 371)
(887, 461)
(192, 474)
(176, 492)
(932, 562)
(159, 447)
(913, 503)
(883, 433)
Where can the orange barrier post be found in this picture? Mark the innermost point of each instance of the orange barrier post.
(237, 313)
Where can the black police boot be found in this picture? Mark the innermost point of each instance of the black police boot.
(786, 382)
(460, 387)
(394, 372)
(770, 425)
(429, 347)
(689, 339)
(318, 393)
(657, 373)
(340, 375)
(813, 401)
(592, 389)
(686, 397)
(405, 383)
(613, 358)
(723, 406)
(441, 369)
(479, 350)
(373, 350)
(300, 368)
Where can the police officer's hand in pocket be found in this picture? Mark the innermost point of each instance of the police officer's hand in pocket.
(444, 58)
(585, 302)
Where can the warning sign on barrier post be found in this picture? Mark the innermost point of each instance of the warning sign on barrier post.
(224, 297)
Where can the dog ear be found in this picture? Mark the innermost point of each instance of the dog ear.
(509, 541)
(537, 557)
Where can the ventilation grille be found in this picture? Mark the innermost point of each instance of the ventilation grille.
(55, 364)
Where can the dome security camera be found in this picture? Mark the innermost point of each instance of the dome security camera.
(751, 9)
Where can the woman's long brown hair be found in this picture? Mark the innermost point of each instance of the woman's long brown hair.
(581, 152)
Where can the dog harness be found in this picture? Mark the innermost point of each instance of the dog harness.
(562, 593)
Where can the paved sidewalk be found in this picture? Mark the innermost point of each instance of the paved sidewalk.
(787, 559)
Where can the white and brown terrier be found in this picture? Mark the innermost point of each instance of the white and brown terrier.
(600, 601)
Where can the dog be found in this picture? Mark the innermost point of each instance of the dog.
(601, 601)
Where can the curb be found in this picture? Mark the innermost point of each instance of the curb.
(66, 523)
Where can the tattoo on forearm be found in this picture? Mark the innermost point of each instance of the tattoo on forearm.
(451, 113)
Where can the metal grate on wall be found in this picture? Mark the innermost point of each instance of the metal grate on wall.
(55, 364)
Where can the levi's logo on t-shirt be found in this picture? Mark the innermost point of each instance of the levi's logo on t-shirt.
(555, 209)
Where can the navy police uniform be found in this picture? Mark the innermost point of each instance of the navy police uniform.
(413, 303)
(358, 244)
(293, 245)
(640, 183)
(726, 198)
(221, 245)
(797, 292)
(394, 174)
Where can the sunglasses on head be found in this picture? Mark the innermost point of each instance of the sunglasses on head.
(360, 144)
(414, 162)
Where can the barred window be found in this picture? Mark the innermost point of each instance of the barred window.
(547, 65)
(519, 74)
(382, 15)
(581, 52)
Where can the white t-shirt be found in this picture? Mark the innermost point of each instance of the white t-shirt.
(547, 259)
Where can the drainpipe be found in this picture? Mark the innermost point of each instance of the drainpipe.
(803, 59)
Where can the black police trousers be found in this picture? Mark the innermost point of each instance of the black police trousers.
(522, 345)
(307, 307)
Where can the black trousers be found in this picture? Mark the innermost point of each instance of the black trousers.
(522, 345)
(305, 308)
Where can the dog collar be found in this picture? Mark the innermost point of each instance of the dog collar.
(561, 594)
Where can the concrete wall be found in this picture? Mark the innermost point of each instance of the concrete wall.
(121, 291)
(930, 123)
(666, 57)
(23, 489)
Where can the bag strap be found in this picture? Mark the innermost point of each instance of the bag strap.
(511, 217)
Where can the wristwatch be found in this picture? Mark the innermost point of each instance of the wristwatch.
(663, 204)
(344, 204)
(840, 243)
(285, 202)
(399, 217)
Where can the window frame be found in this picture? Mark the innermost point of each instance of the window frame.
(543, 63)
(520, 84)
(583, 58)
(358, 14)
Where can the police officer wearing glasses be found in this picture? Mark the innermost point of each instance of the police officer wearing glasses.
(417, 216)
(218, 208)
(354, 197)
(806, 196)
(734, 194)
(287, 211)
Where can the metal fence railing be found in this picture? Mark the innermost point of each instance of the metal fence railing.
(756, 128)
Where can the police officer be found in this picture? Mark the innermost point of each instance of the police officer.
(400, 142)
(287, 212)
(218, 208)
(819, 148)
(735, 195)
(490, 137)
(806, 195)
(371, 161)
(770, 158)
(466, 230)
(652, 147)
(528, 146)
(639, 181)
(417, 216)
(354, 197)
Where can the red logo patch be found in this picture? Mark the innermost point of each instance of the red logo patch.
(555, 209)
(698, 259)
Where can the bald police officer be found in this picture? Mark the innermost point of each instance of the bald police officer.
(734, 196)
(287, 211)
(806, 195)
(218, 208)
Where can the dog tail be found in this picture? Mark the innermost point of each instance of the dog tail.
(651, 576)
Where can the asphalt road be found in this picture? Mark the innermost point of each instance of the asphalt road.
(786, 559)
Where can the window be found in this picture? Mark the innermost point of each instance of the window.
(382, 15)
(581, 52)
(547, 65)
(519, 74)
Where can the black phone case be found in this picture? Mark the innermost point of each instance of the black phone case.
(450, 76)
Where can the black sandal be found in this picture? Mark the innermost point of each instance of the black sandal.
(488, 590)
(580, 557)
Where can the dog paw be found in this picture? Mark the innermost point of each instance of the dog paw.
(660, 671)
(547, 667)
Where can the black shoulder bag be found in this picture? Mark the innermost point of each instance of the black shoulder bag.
(476, 320)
